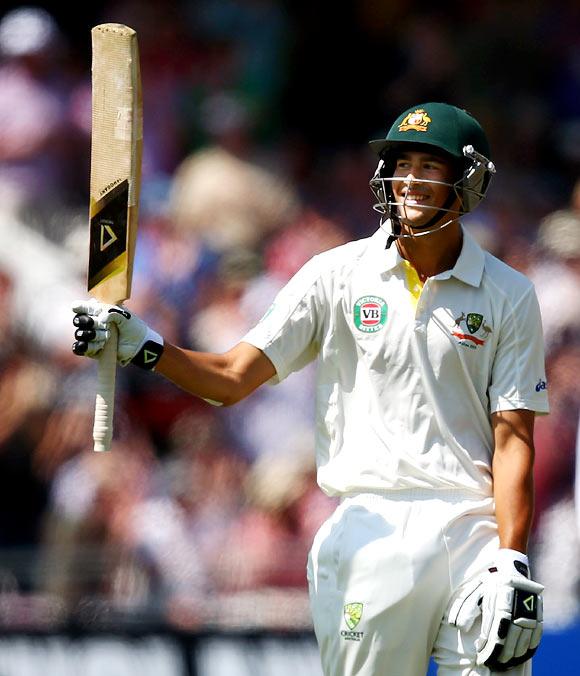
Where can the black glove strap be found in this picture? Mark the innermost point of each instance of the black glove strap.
(148, 355)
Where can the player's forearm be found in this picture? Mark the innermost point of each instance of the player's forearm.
(203, 374)
(514, 494)
(513, 478)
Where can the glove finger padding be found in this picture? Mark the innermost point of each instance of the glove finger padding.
(137, 344)
(90, 316)
(523, 643)
(89, 342)
(515, 634)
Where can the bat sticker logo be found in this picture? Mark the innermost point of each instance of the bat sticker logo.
(108, 239)
(107, 236)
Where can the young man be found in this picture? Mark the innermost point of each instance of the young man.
(429, 358)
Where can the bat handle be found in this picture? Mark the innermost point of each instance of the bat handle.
(105, 402)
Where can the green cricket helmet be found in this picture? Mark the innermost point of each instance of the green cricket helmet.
(448, 131)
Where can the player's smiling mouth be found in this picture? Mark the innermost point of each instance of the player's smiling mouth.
(414, 198)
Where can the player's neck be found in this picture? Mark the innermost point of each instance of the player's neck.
(435, 253)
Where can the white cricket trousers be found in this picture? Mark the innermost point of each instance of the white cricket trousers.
(382, 572)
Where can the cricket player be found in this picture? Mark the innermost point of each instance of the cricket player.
(430, 372)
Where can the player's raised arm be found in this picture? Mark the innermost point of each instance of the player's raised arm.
(221, 379)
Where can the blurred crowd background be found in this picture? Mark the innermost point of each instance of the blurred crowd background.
(257, 117)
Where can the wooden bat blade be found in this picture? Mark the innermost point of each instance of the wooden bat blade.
(116, 148)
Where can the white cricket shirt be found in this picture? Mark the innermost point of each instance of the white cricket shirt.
(407, 377)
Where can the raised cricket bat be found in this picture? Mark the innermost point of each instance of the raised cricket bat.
(116, 142)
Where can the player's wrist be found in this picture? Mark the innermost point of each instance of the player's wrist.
(509, 561)
(149, 354)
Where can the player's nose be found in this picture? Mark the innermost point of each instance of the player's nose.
(410, 178)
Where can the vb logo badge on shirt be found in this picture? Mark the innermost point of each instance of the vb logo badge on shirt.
(370, 314)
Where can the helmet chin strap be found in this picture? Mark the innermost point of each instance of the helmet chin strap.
(406, 235)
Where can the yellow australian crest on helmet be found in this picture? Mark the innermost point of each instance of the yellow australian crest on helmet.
(418, 120)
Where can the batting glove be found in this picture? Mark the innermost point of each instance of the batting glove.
(511, 612)
(138, 344)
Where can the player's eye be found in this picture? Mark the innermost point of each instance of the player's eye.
(435, 165)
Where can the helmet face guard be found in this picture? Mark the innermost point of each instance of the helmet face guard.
(469, 188)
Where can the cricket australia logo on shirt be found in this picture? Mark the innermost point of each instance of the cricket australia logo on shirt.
(370, 314)
(352, 617)
(478, 330)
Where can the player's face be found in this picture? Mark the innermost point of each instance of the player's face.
(419, 201)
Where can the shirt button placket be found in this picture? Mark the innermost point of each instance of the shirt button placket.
(420, 323)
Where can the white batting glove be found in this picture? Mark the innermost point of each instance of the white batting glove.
(511, 612)
(138, 343)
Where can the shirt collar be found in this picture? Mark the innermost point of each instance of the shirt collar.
(468, 268)
(389, 258)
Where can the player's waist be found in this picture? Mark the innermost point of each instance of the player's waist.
(448, 494)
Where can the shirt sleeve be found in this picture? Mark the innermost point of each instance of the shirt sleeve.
(519, 374)
(289, 332)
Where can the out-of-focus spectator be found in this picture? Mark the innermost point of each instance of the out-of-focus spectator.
(43, 275)
(28, 384)
(87, 531)
(557, 274)
(575, 198)
(229, 201)
(176, 533)
(249, 44)
(577, 479)
(429, 62)
(556, 564)
(38, 153)
(269, 541)
(310, 234)
(555, 435)
(559, 235)
(27, 388)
